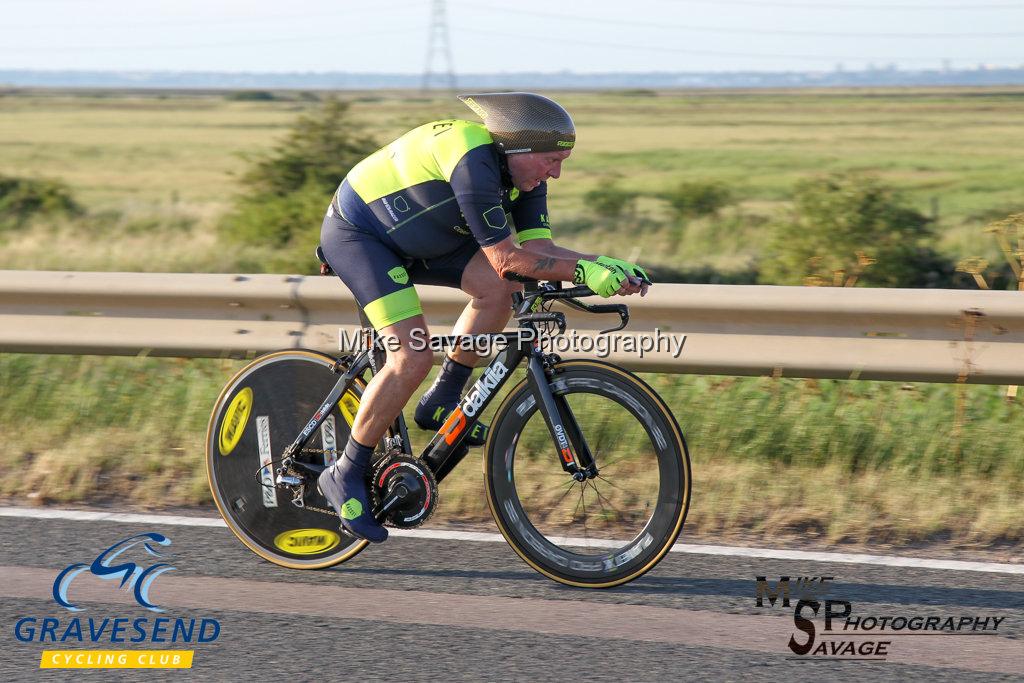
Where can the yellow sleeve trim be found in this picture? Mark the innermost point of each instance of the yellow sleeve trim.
(533, 234)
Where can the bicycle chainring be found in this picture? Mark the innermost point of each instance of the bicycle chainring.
(393, 473)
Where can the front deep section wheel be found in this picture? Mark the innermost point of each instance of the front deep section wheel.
(259, 413)
(610, 528)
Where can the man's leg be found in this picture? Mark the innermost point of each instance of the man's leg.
(391, 388)
(488, 311)
(377, 276)
(344, 485)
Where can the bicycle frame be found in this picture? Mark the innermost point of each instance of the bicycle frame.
(446, 448)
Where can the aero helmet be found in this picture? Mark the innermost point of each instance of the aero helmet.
(522, 122)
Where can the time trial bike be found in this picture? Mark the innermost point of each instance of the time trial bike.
(586, 470)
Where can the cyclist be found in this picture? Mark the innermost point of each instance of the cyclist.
(452, 203)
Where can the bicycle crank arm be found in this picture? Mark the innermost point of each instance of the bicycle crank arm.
(397, 495)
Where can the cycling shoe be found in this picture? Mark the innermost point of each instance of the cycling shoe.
(346, 490)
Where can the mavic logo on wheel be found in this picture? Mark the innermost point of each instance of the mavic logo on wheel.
(133, 576)
(235, 419)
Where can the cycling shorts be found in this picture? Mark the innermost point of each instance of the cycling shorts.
(379, 277)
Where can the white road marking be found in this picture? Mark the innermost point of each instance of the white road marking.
(446, 535)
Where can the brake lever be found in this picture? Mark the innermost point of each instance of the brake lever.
(621, 309)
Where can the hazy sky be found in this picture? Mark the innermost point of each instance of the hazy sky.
(495, 35)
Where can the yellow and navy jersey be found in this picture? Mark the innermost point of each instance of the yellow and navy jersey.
(435, 188)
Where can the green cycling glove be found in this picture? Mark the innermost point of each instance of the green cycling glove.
(604, 279)
(629, 268)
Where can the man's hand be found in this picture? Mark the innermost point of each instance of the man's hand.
(638, 280)
(605, 280)
(630, 269)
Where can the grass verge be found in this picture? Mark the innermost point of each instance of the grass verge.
(835, 462)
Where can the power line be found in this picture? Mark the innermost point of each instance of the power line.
(721, 29)
(859, 6)
(379, 5)
(191, 46)
(470, 32)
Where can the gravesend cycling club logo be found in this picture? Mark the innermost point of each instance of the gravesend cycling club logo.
(853, 638)
(137, 578)
(132, 564)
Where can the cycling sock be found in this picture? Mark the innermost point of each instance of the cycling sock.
(345, 487)
(448, 386)
(357, 454)
(443, 395)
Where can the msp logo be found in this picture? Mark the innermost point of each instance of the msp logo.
(849, 638)
(127, 563)
(137, 579)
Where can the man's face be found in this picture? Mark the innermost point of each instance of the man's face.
(530, 170)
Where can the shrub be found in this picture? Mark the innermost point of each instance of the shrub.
(692, 200)
(846, 224)
(277, 220)
(252, 96)
(702, 274)
(24, 198)
(611, 202)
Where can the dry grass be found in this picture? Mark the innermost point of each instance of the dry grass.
(748, 501)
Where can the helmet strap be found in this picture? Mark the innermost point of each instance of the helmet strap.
(506, 175)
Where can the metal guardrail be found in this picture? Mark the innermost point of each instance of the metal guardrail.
(892, 334)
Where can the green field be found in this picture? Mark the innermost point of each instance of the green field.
(171, 162)
(864, 462)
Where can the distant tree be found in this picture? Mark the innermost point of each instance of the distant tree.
(320, 148)
(286, 191)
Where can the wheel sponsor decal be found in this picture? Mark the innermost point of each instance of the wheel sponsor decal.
(235, 419)
(307, 541)
(327, 435)
(266, 468)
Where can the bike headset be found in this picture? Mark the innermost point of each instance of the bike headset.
(523, 122)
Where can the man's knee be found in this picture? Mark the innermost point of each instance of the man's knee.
(412, 364)
(496, 293)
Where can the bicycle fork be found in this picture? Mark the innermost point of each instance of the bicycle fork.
(573, 451)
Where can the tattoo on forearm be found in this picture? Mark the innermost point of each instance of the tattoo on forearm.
(544, 264)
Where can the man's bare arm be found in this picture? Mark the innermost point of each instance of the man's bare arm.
(549, 248)
(506, 257)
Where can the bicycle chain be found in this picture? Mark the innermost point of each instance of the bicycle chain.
(327, 511)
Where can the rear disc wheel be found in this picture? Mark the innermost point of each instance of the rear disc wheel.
(260, 412)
